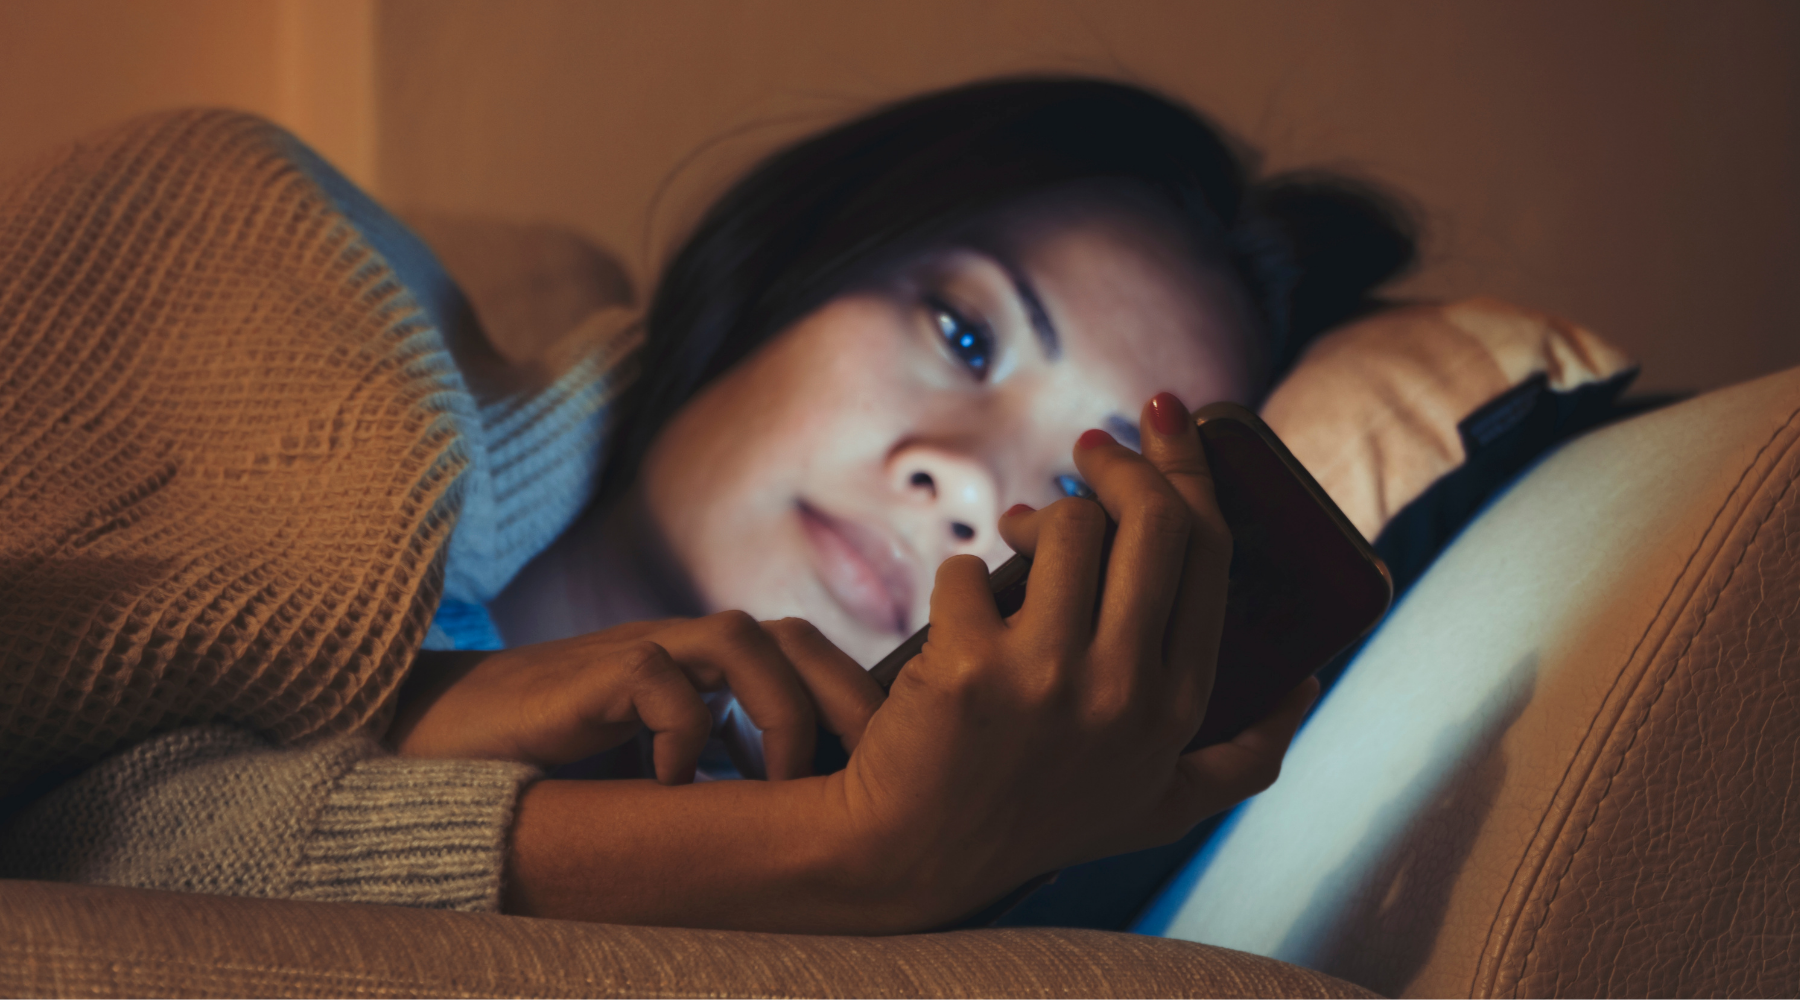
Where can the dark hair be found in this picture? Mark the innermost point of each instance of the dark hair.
(833, 210)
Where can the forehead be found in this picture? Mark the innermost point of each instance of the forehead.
(1135, 305)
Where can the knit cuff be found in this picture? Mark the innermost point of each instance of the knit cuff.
(413, 832)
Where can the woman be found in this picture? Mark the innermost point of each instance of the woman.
(884, 336)
(869, 347)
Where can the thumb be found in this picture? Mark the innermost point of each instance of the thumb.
(1220, 776)
(1019, 529)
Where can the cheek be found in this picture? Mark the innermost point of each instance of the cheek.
(801, 417)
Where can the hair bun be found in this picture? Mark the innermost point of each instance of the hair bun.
(1317, 246)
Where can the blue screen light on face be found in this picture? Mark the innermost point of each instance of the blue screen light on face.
(1125, 432)
(1072, 486)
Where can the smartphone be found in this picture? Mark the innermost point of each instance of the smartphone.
(1304, 584)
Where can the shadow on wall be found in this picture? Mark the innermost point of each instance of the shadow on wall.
(1381, 935)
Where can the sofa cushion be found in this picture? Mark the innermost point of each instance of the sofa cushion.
(65, 940)
(1567, 764)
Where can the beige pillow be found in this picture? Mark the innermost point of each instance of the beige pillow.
(1379, 411)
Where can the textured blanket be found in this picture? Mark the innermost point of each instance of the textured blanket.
(228, 461)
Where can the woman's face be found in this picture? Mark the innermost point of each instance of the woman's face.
(828, 475)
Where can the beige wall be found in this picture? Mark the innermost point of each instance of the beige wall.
(1628, 163)
(71, 66)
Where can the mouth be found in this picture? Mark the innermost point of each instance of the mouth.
(862, 570)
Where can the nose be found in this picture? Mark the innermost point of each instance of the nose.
(949, 499)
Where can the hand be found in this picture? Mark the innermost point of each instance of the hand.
(1009, 748)
(558, 702)
(1006, 748)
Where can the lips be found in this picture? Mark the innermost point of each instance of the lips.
(861, 568)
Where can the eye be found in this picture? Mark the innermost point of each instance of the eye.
(1072, 486)
(971, 342)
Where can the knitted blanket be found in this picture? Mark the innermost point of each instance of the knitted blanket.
(229, 463)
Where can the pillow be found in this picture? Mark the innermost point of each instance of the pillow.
(1410, 419)
(530, 284)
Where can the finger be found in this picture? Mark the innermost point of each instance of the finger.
(1191, 645)
(1224, 774)
(1019, 529)
(961, 603)
(842, 692)
(732, 645)
(1143, 572)
(1070, 537)
(667, 704)
(1271, 737)
(631, 631)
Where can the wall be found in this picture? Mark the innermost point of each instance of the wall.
(1627, 163)
(68, 67)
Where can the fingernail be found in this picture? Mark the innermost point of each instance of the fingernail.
(1019, 508)
(1094, 439)
(1167, 414)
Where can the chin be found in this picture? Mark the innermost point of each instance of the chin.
(790, 590)
(863, 646)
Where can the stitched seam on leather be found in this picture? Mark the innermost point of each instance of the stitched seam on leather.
(1680, 660)
(1550, 815)
(1593, 810)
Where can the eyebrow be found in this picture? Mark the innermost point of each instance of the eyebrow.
(1121, 428)
(1034, 308)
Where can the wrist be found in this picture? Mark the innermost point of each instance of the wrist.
(909, 876)
(433, 674)
(748, 855)
(863, 877)
(878, 869)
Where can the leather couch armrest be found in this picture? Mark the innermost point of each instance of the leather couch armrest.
(78, 940)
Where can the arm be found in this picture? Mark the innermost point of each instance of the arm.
(750, 855)
(217, 809)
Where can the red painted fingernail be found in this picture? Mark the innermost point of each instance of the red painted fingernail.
(1094, 439)
(1019, 508)
(1167, 414)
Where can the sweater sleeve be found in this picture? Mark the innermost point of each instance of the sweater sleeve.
(216, 809)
